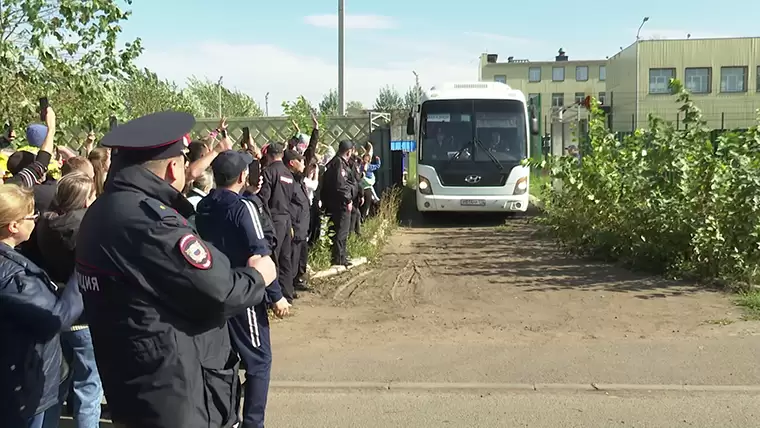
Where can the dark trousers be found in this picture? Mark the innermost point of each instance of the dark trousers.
(300, 258)
(340, 227)
(249, 332)
(315, 223)
(356, 219)
(283, 250)
(368, 203)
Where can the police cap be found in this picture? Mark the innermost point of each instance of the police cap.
(156, 136)
(345, 146)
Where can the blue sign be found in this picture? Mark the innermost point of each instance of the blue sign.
(403, 146)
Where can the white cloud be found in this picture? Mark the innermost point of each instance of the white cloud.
(353, 22)
(498, 37)
(262, 68)
(666, 34)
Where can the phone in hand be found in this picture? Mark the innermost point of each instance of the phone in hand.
(254, 172)
(246, 136)
(44, 104)
(112, 123)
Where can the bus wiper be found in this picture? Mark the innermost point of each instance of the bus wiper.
(490, 155)
(459, 153)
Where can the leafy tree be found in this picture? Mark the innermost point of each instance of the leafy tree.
(204, 94)
(65, 50)
(411, 97)
(354, 108)
(329, 104)
(388, 100)
(146, 93)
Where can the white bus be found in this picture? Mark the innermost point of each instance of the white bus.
(471, 139)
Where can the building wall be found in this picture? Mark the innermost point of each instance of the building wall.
(621, 88)
(516, 75)
(728, 110)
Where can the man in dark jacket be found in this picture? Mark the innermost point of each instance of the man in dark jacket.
(356, 180)
(232, 223)
(158, 297)
(277, 192)
(300, 215)
(338, 193)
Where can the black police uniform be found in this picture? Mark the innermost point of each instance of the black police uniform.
(157, 296)
(337, 192)
(300, 215)
(356, 179)
(277, 192)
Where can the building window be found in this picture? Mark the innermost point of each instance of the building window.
(558, 100)
(558, 74)
(733, 79)
(501, 78)
(603, 98)
(698, 80)
(602, 73)
(580, 97)
(581, 73)
(534, 99)
(659, 80)
(534, 74)
(757, 78)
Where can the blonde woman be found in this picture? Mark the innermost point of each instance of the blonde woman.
(56, 236)
(33, 312)
(101, 163)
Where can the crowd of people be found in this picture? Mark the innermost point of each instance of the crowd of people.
(144, 267)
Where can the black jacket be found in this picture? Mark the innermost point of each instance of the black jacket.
(32, 314)
(337, 188)
(158, 298)
(300, 211)
(277, 190)
(57, 240)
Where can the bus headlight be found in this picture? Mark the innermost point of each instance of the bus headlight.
(521, 186)
(423, 185)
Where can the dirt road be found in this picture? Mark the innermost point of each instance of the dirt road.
(500, 304)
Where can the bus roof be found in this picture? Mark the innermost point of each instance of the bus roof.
(473, 90)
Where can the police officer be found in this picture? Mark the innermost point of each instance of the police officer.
(233, 224)
(355, 180)
(277, 192)
(157, 296)
(300, 215)
(338, 193)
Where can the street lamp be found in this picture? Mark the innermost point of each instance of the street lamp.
(341, 56)
(219, 87)
(417, 88)
(266, 104)
(643, 21)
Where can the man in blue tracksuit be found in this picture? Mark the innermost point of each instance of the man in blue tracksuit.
(234, 225)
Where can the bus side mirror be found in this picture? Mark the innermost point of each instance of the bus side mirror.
(533, 119)
(410, 125)
(534, 126)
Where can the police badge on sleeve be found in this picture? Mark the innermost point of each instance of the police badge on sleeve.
(195, 252)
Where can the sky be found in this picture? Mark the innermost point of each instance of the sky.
(289, 48)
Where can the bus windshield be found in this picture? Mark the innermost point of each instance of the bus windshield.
(449, 129)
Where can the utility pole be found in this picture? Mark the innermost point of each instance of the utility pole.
(219, 87)
(266, 104)
(417, 88)
(341, 56)
(638, 72)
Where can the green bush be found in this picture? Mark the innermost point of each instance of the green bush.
(683, 202)
(375, 231)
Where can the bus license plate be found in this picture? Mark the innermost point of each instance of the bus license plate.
(473, 202)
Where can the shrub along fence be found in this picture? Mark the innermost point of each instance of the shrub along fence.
(681, 202)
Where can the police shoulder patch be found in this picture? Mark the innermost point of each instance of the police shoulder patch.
(195, 252)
